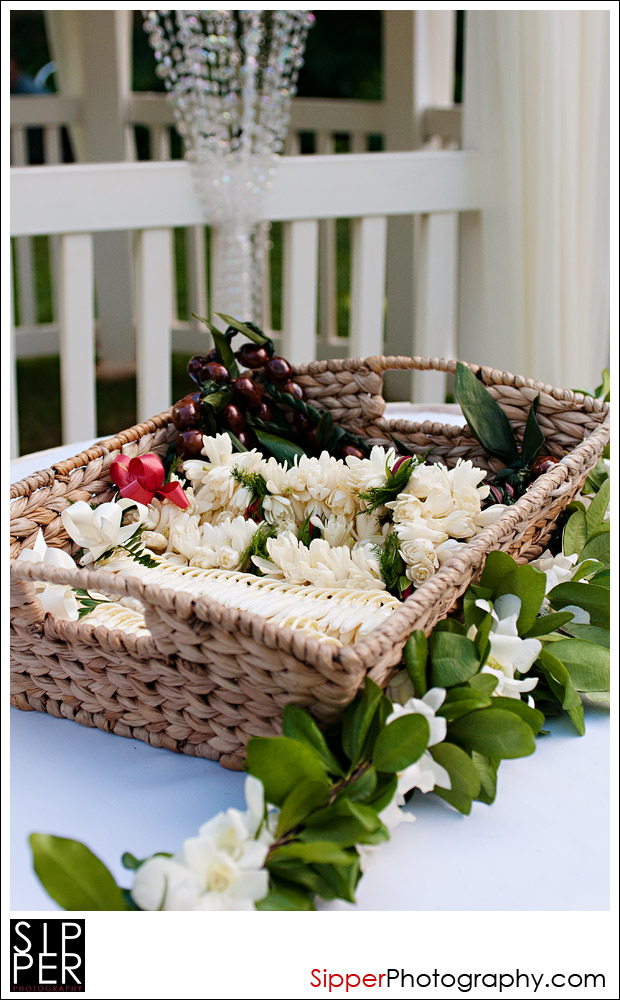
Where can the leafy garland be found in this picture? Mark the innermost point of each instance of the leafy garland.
(333, 796)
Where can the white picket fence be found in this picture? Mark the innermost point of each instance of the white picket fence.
(327, 124)
(150, 199)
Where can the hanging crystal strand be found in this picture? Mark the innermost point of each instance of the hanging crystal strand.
(231, 76)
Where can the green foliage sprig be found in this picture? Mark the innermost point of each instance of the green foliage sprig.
(332, 788)
(490, 426)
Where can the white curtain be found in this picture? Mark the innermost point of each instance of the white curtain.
(535, 281)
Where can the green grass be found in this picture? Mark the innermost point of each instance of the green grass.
(38, 379)
(38, 386)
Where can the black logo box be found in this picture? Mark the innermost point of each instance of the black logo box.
(47, 954)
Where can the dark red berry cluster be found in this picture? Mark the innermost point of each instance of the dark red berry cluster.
(251, 393)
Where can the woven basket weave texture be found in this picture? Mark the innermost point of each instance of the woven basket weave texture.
(207, 678)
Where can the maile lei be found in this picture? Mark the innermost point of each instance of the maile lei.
(527, 642)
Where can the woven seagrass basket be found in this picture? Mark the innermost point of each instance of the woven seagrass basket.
(207, 678)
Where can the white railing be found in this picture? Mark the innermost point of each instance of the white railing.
(329, 124)
(150, 199)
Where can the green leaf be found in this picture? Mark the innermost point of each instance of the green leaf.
(450, 625)
(416, 656)
(298, 725)
(560, 683)
(249, 331)
(281, 764)
(130, 862)
(282, 450)
(464, 779)
(472, 614)
(598, 475)
(459, 701)
(484, 682)
(384, 792)
(586, 662)
(304, 875)
(487, 769)
(533, 437)
(454, 659)
(357, 719)
(401, 743)
(344, 823)
(597, 547)
(378, 496)
(323, 851)
(328, 434)
(342, 878)
(602, 579)
(362, 789)
(300, 801)
(603, 390)
(584, 570)
(285, 896)
(482, 641)
(598, 508)
(593, 633)
(532, 716)
(593, 599)
(223, 350)
(503, 576)
(548, 623)
(575, 534)
(493, 732)
(73, 876)
(486, 419)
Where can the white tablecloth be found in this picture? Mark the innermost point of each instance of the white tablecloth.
(543, 845)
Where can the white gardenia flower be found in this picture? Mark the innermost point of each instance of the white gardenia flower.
(425, 772)
(509, 652)
(220, 869)
(98, 530)
(557, 569)
(56, 598)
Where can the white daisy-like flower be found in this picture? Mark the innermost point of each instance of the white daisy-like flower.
(319, 563)
(368, 473)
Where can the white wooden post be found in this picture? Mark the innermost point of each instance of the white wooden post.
(92, 49)
(77, 338)
(299, 291)
(418, 72)
(14, 433)
(328, 304)
(368, 286)
(436, 236)
(153, 320)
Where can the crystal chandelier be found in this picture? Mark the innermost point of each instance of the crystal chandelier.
(231, 76)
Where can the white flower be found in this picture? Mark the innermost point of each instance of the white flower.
(425, 772)
(57, 599)
(509, 653)
(99, 529)
(557, 569)
(368, 473)
(320, 564)
(220, 869)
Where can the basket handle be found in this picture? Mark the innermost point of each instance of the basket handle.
(379, 364)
